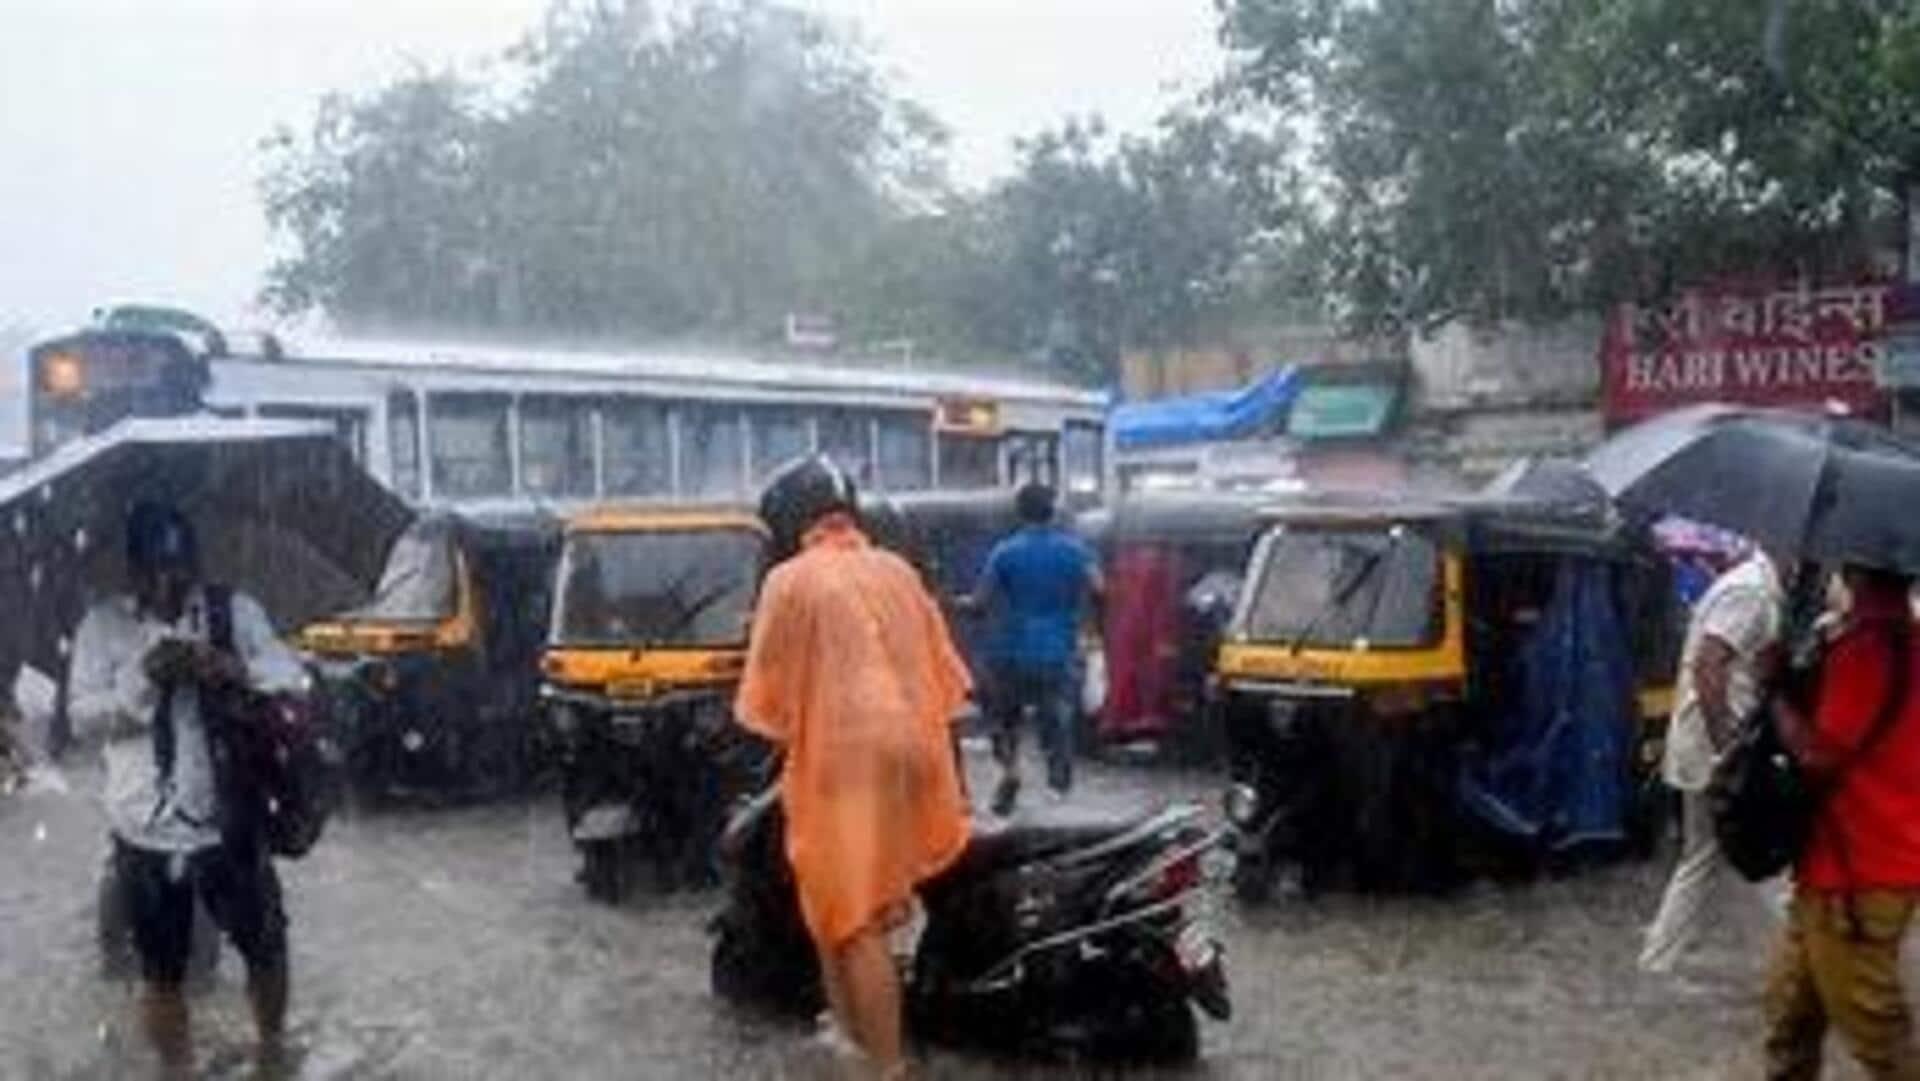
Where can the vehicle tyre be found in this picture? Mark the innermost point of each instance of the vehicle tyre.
(1254, 876)
(496, 758)
(730, 971)
(605, 871)
(750, 971)
(1159, 1029)
(1651, 818)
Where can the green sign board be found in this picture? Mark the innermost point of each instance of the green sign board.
(1341, 410)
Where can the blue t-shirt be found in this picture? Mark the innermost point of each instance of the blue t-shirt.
(1035, 583)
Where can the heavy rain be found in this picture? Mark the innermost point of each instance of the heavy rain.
(813, 539)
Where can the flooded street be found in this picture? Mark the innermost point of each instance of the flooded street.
(455, 944)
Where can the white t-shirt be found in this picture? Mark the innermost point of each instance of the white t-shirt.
(109, 689)
(1742, 609)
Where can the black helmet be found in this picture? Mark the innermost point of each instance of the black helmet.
(801, 493)
(159, 537)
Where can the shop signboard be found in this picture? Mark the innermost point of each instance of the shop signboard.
(1801, 345)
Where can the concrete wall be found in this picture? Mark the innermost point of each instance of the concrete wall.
(1237, 359)
(1460, 366)
(1481, 396)
(1484, 397)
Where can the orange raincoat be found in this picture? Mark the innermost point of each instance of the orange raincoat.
(852, 671)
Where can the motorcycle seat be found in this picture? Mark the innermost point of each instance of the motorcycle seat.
(1004, 844)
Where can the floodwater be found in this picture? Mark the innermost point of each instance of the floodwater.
(453, 943)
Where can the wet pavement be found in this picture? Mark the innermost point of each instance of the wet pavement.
(453, 943)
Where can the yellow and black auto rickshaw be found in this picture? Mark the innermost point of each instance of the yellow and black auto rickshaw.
(433, 685)
(648, 639)
(1413, 691)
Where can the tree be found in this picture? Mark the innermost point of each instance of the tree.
(383, 206)
(701, 169)
(1501, 158)
(1099, 245)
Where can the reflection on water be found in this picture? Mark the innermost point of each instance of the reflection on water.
(454, 944)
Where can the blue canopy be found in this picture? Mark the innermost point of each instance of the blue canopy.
(1556, 770)
(1227, 414)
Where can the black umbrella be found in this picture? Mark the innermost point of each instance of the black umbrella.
(1830, 489)
(282, 512)
(1553, 480)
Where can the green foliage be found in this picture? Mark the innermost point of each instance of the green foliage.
(1096, 245)
(708, 167)
(704, 169)
(1519, 158)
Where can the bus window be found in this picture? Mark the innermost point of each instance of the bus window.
(1034, 457)
(846, 436)
(468, 433)
(969, 462)
(639, 451)
(556, 447)
(711, 465)
(1082, 453)
(403, 443)
(906, 457)
(348, 422)
(780, 435)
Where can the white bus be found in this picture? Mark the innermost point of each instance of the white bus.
(480, 427)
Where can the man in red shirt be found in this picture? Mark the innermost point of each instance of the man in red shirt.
(1856, 885)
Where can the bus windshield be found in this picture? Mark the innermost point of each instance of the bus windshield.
(685, 587)
(1334, 588)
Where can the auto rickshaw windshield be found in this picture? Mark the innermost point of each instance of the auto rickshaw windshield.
(417, 584)
(1332, 588)
(657, 587)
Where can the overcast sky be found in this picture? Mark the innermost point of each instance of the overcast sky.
(129, 128)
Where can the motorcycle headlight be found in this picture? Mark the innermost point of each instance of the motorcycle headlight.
(1241, 803)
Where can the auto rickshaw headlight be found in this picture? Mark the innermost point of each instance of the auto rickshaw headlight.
(1241, 803)
(382, 677)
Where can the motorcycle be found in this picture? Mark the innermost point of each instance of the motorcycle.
(1085, 940)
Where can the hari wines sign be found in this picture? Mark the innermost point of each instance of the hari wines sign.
(1796, 346)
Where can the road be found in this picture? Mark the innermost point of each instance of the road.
(453, 943)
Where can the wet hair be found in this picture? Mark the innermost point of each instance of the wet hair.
(160, 536)
(1034, 503)
(1880, 580)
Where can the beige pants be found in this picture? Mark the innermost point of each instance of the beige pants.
(1696, 897)
(1838, 964)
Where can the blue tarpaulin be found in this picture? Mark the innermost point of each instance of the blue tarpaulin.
(1555, 771)
(1202, 417)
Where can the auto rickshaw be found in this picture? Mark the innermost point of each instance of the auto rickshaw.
(433, 685)
(949, 535)
(650, 618)
(1173, 563)
(1413, 691)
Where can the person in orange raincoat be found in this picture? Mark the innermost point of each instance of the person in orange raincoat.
(852, 672)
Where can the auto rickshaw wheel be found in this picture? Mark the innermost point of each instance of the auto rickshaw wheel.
(605, 870)
(496, 760)
(1254, 878)
(1650, 817)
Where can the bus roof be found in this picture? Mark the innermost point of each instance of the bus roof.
(694, 367)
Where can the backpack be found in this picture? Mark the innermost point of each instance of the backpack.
(279, 778)
(1762, 802)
